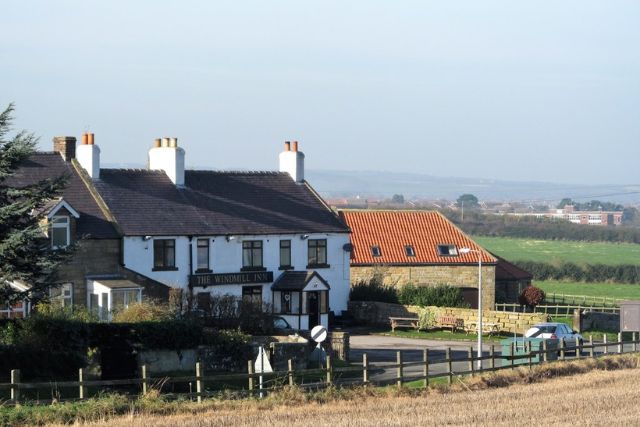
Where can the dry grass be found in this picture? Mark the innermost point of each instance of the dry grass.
(542, 396)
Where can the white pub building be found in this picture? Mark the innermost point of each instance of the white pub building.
(267, 237)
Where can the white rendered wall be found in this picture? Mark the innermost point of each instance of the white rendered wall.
(226, 257)
(89, 158)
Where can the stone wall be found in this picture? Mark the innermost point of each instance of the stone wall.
(461, 276)
(378, 313)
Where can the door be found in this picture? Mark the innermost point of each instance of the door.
(314, 309)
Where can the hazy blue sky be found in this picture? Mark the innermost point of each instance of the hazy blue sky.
(539, 90)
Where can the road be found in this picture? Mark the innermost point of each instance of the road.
(382, 350)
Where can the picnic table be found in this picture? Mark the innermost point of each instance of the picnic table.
(451, 322)
(403, 322)
(487, 328)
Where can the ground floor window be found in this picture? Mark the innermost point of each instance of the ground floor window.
(252, 294)
(289, 302)
(62, 295)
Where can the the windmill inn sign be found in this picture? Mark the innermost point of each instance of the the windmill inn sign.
(205, 280)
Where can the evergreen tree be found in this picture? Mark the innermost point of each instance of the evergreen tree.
(25, 252)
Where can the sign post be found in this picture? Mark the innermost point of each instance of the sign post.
(319, 334)
(262, 365)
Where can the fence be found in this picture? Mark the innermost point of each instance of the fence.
(328, 374)
(556, 310)
(582, 300)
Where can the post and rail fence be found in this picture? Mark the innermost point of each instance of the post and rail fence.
(555, 310)
(424, 371)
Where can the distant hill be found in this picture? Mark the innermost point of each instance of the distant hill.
(331, 183)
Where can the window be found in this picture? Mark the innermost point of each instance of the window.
(252, 254)
(60, 234)
(289, 302)
(203, 255)
(317, 253)
(122, 298)
(164, 254)
(375, 251)
(285, 253)
(447, 250)
(62, 295)
(408, 249)
(252, 295)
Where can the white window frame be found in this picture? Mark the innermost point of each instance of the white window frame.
(65, 287)
(66, 225)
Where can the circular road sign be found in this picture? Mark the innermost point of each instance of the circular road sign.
(319, 333)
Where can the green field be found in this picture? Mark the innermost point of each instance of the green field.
(553, 251)
(609, 290)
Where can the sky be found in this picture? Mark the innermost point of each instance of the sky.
(526, 91)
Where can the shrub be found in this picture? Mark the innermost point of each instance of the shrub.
(427, 318)
(373, 290)
(439, 296)
(531, 296)
(148, 311)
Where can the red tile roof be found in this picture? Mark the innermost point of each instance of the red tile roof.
(393, 230)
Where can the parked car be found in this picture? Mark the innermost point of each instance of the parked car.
(558, 331)
(281, 326)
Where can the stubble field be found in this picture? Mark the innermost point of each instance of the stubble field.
(595, 398)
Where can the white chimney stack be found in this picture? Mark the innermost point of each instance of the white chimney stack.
(88, 155)
(167, 156)
(292, 161)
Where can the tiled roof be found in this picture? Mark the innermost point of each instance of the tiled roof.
(214, 203)
(48, 165)
(391, 231)
(507, 271)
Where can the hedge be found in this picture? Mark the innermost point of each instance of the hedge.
(594, 273)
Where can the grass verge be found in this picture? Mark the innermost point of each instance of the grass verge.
(110, 406)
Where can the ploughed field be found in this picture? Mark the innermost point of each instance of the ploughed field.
(594, 398)
(553, 251)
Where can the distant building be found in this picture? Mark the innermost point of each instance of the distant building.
(568, 213)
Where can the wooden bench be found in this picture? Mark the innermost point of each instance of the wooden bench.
(403, 322)
(451, 322)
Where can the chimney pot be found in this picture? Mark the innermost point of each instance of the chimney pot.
(90, 138)
(295, 145)
(287, 146)
(173, 142)
(157, 143)
(85, 138)
(165, 142)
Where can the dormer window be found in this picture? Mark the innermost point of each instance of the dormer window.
(60, 232)
(408, 249)
(375, 251)
(447, 250)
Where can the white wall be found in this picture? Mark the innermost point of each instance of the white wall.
(226, 257)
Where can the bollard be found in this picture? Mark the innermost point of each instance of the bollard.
(290, 371)
(620, 345)
(15, 385)
(81, 387)
(145, 384)
(365, 369)
(250, 370)
(199, 388)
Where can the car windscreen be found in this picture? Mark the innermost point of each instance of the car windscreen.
(543, 329)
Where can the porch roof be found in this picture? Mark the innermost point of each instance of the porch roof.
(118, 284)
(296, 280)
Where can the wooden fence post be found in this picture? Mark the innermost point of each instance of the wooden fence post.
(544, 351)
(562, 347)
(635, 343)
(15, 385)
(290, 371)
(399, 370)
(250, 370)
(512, 354)
(81, 387)
(529, 352)
(365, 369)
(329, 369)
(492, 361)
(143, 370)
(578, 349)
(620, 345)
(425, 358)
(199, 388)
(449, 365)
(606, 346)
(591, 349)
(470, 357)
